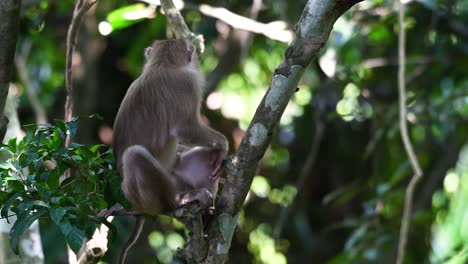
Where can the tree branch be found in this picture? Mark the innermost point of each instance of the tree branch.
(406, 219)
(276, 30)
(81, 6)
(9, 25)
(180, 28)
(312, 32)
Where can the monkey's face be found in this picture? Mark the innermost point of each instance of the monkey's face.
(175, 53)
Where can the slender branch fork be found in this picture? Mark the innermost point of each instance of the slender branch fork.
(81, 7)
(417, 172)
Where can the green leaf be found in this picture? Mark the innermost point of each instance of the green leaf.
(3, 196)
(72, 127)
(12, 144)
(61, 125)
(95, 147)
(24, 221)
(53, 180)
(26, 205)
(65, 227)
(6, 206)
(6, 165)
(32, 157)
(96, 116)
(98, 202)
(42, 190)
(77, 158)
(75, 239)
(119, 18)
(22, 144)
(57, 213)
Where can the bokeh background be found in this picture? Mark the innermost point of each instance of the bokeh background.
(330, 188)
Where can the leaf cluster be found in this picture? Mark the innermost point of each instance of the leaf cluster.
(33, 185)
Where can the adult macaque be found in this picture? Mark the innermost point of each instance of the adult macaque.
(160, 112)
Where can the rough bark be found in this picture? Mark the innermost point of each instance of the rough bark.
(312, 32)
(9, 25)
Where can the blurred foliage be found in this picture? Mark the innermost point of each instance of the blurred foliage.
(349, 208)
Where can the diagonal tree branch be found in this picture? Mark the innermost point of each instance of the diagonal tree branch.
(313, 30)
(9, 25)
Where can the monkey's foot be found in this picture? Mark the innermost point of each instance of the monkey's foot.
(211, 210)
(117, 210)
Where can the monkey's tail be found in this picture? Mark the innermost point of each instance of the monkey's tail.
(140, 221)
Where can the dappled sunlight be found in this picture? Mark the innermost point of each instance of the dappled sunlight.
(262, 246)
(350, 107)
(450, 232)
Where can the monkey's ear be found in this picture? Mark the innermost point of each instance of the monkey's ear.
(191, 50)
(148, 51)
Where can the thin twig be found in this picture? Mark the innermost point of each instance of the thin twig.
(81, 7)
(405, 222)
(276, 30)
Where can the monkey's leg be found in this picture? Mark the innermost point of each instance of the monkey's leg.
(196, 134)
(147, 184)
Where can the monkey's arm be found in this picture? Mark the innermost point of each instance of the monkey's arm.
(200, 135)
(117, 210)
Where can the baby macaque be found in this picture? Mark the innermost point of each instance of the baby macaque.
(194, 169)
(159, 114)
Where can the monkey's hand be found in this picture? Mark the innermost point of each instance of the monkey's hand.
(217, 160)
(202, 196)
(116, 210)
